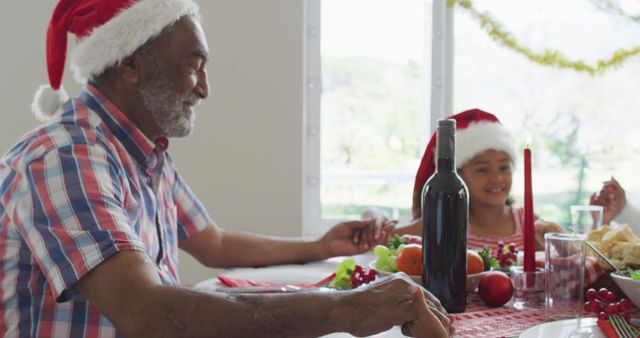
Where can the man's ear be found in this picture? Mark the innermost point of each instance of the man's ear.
(132, 68)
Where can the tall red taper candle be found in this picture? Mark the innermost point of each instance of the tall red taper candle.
(529, 231)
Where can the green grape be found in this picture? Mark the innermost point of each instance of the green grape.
(382, 264)
(392, 263)
(381, 251)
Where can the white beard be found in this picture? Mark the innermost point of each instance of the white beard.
(173, 113)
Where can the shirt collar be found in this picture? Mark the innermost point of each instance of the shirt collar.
(132, 138)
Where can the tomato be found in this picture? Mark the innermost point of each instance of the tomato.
(475, 264)
(409, 260)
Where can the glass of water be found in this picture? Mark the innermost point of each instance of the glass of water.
(584, 218)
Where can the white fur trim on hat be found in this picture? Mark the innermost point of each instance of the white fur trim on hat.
(119, 37)
(481, 136)
(48, 101)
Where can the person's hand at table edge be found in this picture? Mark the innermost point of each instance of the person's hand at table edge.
(427, 325)
(389, 301)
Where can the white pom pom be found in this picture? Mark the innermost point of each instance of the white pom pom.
(47, 102)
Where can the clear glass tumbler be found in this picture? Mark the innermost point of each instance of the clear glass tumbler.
(563, 265)
(585, 218)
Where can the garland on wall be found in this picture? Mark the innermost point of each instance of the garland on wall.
(548, 57)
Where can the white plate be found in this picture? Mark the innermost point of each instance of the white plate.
(472, 280)
(561, 328)
(372, 265)
(276, 274)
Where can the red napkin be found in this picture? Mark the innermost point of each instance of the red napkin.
(243, 283)
(607, 328)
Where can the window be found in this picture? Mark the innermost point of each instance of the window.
(581, 127)
(368, 99)
(374, 68)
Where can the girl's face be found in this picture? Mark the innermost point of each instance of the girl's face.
(488, 178)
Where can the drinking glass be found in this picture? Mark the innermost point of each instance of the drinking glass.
(563, 263)
(584, 218)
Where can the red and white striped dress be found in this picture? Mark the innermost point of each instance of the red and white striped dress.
(479, 242)
(592, 271)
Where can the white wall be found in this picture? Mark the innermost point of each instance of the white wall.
(245, 158)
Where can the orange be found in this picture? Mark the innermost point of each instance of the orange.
(409, 260)
(475, 264)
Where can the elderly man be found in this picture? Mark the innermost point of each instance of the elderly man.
(92, 210)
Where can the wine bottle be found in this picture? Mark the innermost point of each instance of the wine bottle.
(444, 222)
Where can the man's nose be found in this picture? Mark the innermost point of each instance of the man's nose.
(202, 88)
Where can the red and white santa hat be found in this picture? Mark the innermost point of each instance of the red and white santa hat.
(476, 132)
(107, 32)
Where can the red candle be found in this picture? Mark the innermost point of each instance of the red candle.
(529, 231)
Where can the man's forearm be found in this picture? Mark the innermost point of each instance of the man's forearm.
(170, 311)
(246, 249)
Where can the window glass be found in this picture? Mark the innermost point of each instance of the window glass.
(582, 128)
(375, 57)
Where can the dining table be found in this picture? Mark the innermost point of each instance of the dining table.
(478, 320)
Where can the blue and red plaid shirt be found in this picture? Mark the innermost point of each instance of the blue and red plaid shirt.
(73, 192)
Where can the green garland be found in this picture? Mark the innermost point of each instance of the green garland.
(549, 57)
(612, 7)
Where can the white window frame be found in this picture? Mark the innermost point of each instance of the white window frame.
(441, 100)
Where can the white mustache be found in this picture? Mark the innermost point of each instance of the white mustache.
(193, 101)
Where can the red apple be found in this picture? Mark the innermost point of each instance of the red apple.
(495, 288)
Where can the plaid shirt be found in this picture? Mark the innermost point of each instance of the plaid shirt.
(73, 192)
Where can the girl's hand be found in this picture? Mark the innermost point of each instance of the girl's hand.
(541, 228)
(380, 228)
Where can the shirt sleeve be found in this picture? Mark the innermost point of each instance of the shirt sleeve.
(192, 215)
(72, 214)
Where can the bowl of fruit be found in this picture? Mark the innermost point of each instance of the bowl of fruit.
(404, 254)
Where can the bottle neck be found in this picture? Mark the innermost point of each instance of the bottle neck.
(446, 146)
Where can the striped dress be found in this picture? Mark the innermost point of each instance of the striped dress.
(479, 242)
(592, 271)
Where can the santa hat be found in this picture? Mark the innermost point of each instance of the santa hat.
(476, 132)
(107, 32)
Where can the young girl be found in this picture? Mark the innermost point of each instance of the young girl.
(486, 154)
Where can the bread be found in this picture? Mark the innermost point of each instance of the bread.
(596, 235)
(629, 253)
(620, 245)
(620, 234)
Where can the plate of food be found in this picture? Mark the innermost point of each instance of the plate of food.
(404, 254)
(619, 244)
(472, 280)
(629, 284)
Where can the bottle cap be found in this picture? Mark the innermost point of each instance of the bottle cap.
(447, 126)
